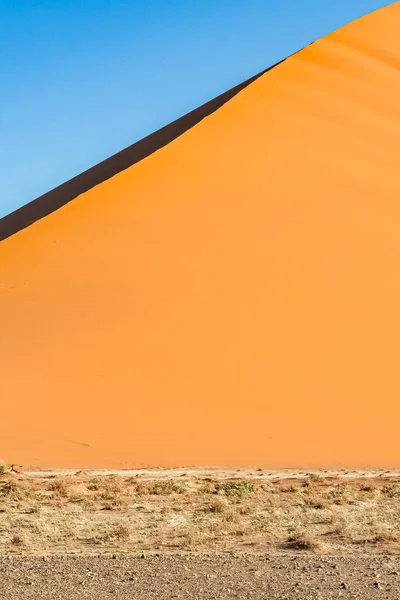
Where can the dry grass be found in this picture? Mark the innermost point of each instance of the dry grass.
(59, 486)
(85, 513)
(3, 467)
(304, 540)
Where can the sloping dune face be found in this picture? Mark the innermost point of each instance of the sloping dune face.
(234, 298)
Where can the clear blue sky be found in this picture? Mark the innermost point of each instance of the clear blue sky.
(82, 79)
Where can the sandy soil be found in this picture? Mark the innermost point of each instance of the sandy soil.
(223, 473)
(204, 577)
(234, 297)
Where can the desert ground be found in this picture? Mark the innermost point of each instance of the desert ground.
(198, 533)
(201, 577)
(232, 298)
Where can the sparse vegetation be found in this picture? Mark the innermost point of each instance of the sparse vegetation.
(340, 527)
(216, 506)
(236, 488)
(145, 513)
(304, 540)
(59, 486)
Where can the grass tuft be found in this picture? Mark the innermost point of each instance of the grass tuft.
(304, 540)
(3, 467)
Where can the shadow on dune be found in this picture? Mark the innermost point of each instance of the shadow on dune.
(56, 198)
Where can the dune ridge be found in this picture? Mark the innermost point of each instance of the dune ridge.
(56, 198)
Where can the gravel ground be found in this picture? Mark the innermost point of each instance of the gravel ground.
(205, 577)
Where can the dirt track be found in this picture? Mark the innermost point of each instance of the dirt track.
(205, 577)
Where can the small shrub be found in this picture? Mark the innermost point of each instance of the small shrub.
(159, 488)
(386, 536)
(341, 494)
(59, 486)
(94, 484)
(192, 536)
(261, 524)
(303, 540)
(112, 489)
(208, 487)
(391, 491)
(288, 489)
(217, 506)
(317, 503)
(340, 527)
(236, 488)
(121, 532)
(34, 509)
(18, 540)
(366, 487)
(231, 517)
(14, 489)
(245, 510)
(115, 504)
(377, 537)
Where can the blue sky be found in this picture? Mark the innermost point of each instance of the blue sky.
(80, 79)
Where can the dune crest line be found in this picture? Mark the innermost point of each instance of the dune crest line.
(56, 198)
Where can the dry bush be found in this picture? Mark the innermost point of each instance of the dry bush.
(341, 494)
(316, 502)
(386, 536)
(115, 504)
(245, 509)
(159, 488)
(367, 487)
(261, 524)
(19, 539)
(89, 504)
(118, 532)
(59, 486)
(288, 489)
(375, 536)
(235, 488)
(3, 467)
(391, 490)
(217, 506)
(208, 487)
(94, 484)
(340, 526)
(303, 540)
(15, 489)
(112, 489)
(193, 536)
(32, 509)
(121, 532)
(231, 516)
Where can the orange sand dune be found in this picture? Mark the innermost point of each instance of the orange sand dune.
(234, 298)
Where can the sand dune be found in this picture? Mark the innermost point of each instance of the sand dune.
(234, 297)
